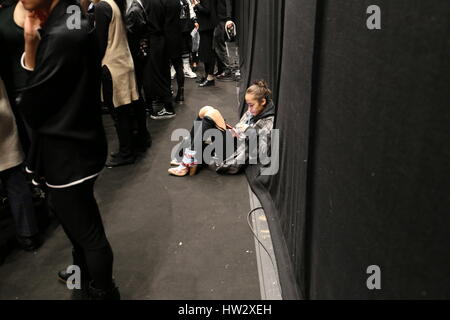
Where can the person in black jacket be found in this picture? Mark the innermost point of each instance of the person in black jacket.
(206, 11)
(61, 102)
(157, 69)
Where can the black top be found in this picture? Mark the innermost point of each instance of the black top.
(155, 14)
(12, 48)
(206, 12)
(61, 102)
(187, 22)
(103, 16)
(224, 10)
(164, 21)
(172, 27)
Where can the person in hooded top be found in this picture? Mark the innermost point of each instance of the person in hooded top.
(257, 120)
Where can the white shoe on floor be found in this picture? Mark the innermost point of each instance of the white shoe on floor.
(188, 73)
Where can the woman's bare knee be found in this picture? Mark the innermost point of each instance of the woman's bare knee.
(204, 111)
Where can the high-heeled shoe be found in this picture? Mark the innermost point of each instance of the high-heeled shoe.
(188, 165)
(182, 170)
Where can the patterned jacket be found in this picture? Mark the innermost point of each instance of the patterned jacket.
(261, 127)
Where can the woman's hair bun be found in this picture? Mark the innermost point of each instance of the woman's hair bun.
(261, 89)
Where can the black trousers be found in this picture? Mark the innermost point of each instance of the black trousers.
(178, 66)
(20, 201)
(79, 215)
(157, 73)
(126, 118)
(206, 51)
(220, 48)
(198, 134)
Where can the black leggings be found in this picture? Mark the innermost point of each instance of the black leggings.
(125, 118)
(197, 135)
(209, 68)
(79, 215)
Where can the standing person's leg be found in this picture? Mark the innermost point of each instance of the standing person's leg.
(107, 93)
(178, 65)
(143, 140)
(125, 133)
(22, 210)
(186, 52)
(207, 55)
(220, 49)
(122, 123)
(78, 212)
(159, 71)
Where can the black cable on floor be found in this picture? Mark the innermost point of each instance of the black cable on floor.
(256, 236)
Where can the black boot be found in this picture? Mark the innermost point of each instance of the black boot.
(99, 294)
(142, 144)
(63, 276)
(77, 260)
(118, 160)
(180, 95)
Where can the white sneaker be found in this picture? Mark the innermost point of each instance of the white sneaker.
(188, 73)
(172, 72)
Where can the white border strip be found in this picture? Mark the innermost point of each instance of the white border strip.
(268, 276)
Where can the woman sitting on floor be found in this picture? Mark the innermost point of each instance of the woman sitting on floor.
(258, 119)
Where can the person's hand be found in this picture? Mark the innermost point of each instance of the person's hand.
(33, 22)
(197, 26)
(234, 133)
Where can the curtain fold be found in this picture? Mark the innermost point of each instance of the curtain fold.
(364, 155)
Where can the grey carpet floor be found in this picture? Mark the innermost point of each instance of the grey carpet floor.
(173, 238)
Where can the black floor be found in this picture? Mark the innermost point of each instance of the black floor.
(173, 238)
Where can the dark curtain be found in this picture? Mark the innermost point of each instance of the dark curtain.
(364, 124)
(259, 22)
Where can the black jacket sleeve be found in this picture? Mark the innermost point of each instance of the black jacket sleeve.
(103, 17)
(52, 80)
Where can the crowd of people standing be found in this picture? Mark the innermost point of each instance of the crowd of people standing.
(55, 79)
